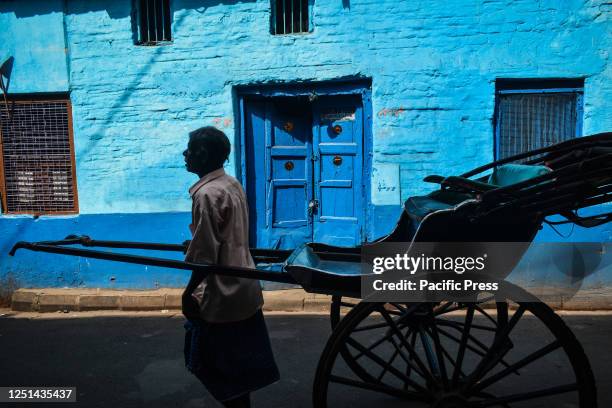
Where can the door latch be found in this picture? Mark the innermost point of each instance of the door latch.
(312, 206)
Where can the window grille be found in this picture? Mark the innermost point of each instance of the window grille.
(37, 157)
(289, 16)
(529, 119)
(154, 21)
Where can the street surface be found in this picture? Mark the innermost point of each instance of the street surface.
(128, 360)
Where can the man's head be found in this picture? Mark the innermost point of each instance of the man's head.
(207, 150)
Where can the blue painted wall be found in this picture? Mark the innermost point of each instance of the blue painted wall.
(433, 67)
(47, 270)
(32, 32)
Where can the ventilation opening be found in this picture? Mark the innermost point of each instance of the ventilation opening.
(154, 22)
(290, 17)
(37, 157)
(536, 113)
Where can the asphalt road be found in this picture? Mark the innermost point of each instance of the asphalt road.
(118, 360)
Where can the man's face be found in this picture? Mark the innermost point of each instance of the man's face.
(195, 159)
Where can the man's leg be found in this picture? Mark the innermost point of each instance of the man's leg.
(243, 401)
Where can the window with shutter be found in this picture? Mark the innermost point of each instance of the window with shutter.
(37, 157)
(531, 115)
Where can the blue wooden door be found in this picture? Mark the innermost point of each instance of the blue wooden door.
(279, 171)
(338, 153)
(304, 170)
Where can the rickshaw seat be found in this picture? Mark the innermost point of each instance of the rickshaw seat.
(419, 206)
(305, 257)
(318, 275)
(509, 174)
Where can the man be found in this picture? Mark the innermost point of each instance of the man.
(227, 345)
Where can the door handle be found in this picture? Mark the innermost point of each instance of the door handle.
(312, 206)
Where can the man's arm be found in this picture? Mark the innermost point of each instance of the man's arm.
(203, 248)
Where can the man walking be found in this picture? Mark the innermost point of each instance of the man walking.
(226, 345)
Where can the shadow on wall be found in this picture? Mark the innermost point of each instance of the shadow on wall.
(5, 72)
(115, 9)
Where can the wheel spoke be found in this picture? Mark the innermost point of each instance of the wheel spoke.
(496, 352)
(439, 351)
(450, 359)
(443, 309)
(409, 365)
(561, 389)
(463, 344)
(407, 359)
(395, 312)
(374, 345)
(389, 337)
(383, 364)
(429, 354)
(391, 360)
(396, 392)
(448, 309)
(379, 326)
(399, 307)
(487, 395)
(371, 327)
(469, 336)
(412, 352)
(379, 341)
(470, 347)
(486, 314)
(514, 367)
(485, 300)
(460, 325)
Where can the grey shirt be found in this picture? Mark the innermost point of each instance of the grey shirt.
(220, 235)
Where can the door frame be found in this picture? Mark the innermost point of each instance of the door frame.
(360, 87)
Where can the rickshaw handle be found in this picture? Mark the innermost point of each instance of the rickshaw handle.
(239, 272)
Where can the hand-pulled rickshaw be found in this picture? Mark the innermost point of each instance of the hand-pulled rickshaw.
(478, 353)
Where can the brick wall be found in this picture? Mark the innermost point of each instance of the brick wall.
(433, 66)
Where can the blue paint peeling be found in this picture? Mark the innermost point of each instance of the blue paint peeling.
(430, 109)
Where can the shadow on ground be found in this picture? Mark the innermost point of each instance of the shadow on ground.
(137, 361)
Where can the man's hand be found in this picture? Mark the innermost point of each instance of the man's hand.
(190, 308)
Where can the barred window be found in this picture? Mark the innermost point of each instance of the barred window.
(290, 16)
(154, 21)
(535, 114)
(37, 157)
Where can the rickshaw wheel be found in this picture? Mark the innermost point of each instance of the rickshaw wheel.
(335, 317)
(454, 359)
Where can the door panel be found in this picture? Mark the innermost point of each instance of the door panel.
(255, 182)
(289, 173)
(285, 174)
(300, 152)
(338, 135)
